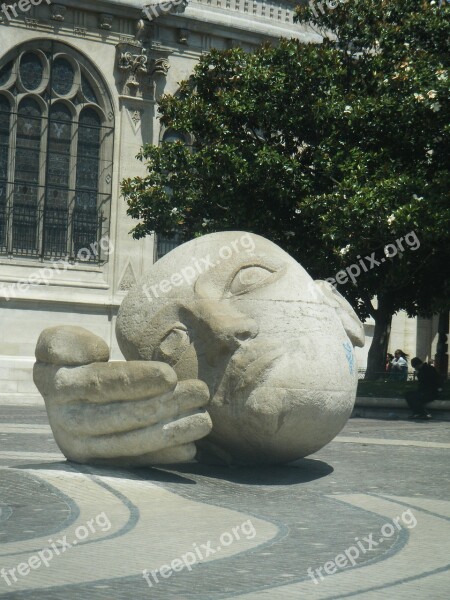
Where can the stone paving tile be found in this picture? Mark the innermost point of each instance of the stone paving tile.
(23, 414)
(431, 431)
(37, 509)
(35, 442)
(314, 527)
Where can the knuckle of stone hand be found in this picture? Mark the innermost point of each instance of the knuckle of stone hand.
(194, 386)
(204, 420)
(159, 374)
(168, 375)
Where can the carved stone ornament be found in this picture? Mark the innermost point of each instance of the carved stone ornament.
(137, 67)
(58, 12)
(135, 115)
(183, 36)
(105, 21)
(128, 279)
(160, 66)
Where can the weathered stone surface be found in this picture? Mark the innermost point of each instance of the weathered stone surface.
(353, 326)
(273, 346)
(132, 413)
(229, 322)
(69, 345)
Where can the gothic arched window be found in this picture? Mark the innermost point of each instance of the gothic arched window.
(56, 143)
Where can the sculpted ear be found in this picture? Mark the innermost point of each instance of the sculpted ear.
(352, 325)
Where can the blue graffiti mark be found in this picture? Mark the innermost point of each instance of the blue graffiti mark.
(349, 356)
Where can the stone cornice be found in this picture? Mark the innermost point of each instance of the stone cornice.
(250, 20)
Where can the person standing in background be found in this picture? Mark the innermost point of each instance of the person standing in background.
(389, 359)
(427, 391)
(399, 370)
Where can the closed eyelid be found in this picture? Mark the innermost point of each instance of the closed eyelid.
(273, 273)
(215, 283)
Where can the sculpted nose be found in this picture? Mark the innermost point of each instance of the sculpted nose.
(233, 329)
(223, 325)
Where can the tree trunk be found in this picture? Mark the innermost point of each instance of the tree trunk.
(441, 357)
(376, 359)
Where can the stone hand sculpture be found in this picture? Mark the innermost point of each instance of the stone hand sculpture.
(228, 320)
(121, 413)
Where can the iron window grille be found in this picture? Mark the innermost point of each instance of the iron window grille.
(56, 144)
(165, 244)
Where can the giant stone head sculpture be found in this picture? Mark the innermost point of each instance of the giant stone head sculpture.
(274, 347)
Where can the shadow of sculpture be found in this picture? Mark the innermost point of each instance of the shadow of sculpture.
(302, 471)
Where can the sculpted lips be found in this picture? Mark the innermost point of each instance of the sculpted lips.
(252, 361)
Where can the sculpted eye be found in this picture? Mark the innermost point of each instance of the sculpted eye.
(173, 345)
(249, 277)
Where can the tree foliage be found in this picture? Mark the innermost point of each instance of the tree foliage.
(331, 150)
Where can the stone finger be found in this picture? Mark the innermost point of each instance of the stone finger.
(177, 454)
(168, 456)
(69, 345)
(102, 383)
(181, 431)
(119, 417)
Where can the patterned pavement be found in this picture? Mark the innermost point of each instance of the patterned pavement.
(366, 517)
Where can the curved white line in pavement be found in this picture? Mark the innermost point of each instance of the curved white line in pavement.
(400, 574)
(389, 442)
(167, 528)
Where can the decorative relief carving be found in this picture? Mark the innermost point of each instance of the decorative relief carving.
(128, 279)
(58, 12)
(183, 36)
(105, 21)
(31, 23)
(135, 63)
(137, 67)
(160, 66)
(126, 39)
(135, 116)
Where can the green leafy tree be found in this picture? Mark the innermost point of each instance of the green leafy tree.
(332, 150)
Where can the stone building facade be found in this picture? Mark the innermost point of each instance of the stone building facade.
(79, 87)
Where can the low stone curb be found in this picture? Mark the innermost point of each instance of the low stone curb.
(395, 408)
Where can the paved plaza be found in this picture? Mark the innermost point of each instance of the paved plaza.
(366, 517)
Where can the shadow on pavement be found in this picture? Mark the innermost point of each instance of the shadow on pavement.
(303, 470)
(300, 471)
